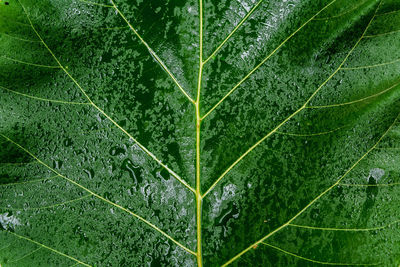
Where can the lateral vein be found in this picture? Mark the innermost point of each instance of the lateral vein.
(372, 66)
(47, 247)
(370, 185)
(304, 106)
(30, 64)
(29, 181)
(43, 99)
(151, 51)
(311, 134)
(27, 255)
(264, 60)
(356, 101)
(381, 34)
(344, 229)
(317, 261)
(176, 176)
(98, 196)
(342, 14)
(94, 3)
(288, 223)
(50, 206)
(233, 31)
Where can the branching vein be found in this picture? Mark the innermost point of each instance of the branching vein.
(152, 53)
(372, 66)
(27, 255)
(176, 176)
(30, 181)
(344, 13)
(358, 100)
(338, 181)
(232, 32)
(304, 106)
(47, 247)
(387, 13)
(371, 185)
(49, 206)
(99, 197)
(289, 222)
(30, 64)
(316, 261)
(94, 3)
(43, 99)
(20, 39)
(311, 134)
(381, 34)
(265, 60)
(345, 229)
(315, 199)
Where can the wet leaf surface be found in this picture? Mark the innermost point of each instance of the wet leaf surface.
(199, 133)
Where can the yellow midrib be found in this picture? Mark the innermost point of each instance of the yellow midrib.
(198, 125)
(198, 185)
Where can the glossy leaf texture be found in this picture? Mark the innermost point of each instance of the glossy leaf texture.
(199, 133)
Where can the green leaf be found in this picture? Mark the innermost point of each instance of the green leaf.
(199, 133)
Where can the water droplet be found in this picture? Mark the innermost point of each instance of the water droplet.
(57, 164)
(115, 151)
(376, 174)
(128, 166)
(163, 174)
(90, 173)
(8, 220)
(227, 214)
(68, 142)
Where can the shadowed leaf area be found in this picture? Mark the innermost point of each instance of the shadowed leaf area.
(199, 133)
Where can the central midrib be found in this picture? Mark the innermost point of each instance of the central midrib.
(198, 125)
